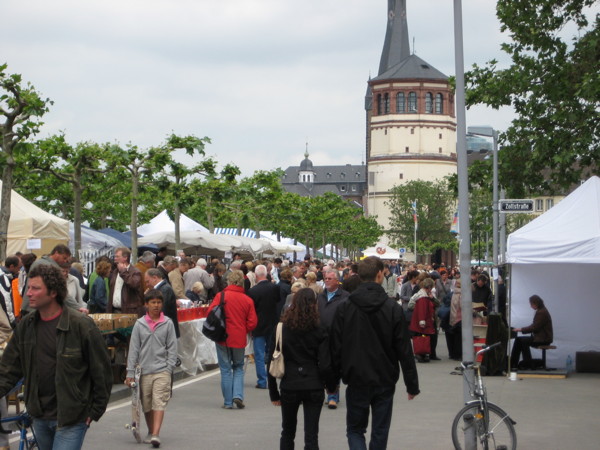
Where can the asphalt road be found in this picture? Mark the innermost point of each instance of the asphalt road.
(550, 414)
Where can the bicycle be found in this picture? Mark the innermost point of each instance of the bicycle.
(483, 422)
(23, 422)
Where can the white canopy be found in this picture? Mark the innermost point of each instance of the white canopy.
(557, 256)
(199, 242)
(27, 221)
(285, 245)
(162, 222)
(382, 251)
(567, 233)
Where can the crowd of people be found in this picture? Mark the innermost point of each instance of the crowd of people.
(344, 321)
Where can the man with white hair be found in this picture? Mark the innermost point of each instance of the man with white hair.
(145, 262)
(198, 273)
(265, 296)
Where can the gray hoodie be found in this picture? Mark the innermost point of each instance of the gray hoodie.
(154, 351)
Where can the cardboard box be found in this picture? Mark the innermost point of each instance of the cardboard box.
(124, 320)
(109, 322)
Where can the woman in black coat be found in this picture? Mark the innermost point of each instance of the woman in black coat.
(307, 370)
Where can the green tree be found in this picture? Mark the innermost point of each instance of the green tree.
(176, 176)
(553, 86)
(435, 201)
(72, 165)
(21, 107)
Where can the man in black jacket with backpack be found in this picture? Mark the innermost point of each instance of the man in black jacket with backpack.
(369, 338)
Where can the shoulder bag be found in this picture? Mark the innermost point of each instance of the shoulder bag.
(214, 326)
(277, 366)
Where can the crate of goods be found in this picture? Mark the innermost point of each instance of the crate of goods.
(104, 322)
(124, 320)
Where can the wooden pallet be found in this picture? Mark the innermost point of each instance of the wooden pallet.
(556, 374)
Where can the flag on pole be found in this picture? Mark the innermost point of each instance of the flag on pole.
(454, 225)
(415, 217)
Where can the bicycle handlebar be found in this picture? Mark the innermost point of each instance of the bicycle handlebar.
(466, 364)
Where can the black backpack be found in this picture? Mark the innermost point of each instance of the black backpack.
(214, 326)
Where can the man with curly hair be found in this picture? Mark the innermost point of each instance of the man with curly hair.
(64, 360)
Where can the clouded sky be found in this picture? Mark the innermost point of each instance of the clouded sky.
(260, 78)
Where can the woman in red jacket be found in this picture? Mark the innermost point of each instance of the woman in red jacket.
(240, 319)
(422, 321)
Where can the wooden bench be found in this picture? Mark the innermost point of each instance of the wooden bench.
(543, 348)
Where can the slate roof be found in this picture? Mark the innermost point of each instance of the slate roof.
(337, 179)
(411, 68)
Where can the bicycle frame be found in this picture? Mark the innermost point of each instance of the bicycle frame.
(23, 421)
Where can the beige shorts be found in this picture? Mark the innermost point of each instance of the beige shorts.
(156, 391)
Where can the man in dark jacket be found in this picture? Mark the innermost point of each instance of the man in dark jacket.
(266, 297)
(368, 338)
(154, 280)
(64, 360)
(328, 301)
(125, 283)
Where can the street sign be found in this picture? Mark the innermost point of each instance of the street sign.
(402, 250)
(516, 206)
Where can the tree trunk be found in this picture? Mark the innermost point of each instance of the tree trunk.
(7, 183)
(209, 215)
(176, 218)
(134, 205)
(77, 191)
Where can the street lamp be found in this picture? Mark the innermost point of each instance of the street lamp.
(488, 131)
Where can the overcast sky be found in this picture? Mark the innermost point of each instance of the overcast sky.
(260, 78)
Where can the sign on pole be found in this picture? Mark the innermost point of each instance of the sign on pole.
(516, 206)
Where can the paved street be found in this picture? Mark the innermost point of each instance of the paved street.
(550, 414)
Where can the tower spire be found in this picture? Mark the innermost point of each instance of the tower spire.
(396, 46)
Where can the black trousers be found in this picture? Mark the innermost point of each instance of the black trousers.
(523, 346)
(312, 403)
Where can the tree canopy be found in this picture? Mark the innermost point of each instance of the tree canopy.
(553, 84)
(21, 107)
(435, 203)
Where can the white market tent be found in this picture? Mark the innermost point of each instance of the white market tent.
(382, 251)
(162, 222)
(27, 221)
(198, 242)
(557, 256)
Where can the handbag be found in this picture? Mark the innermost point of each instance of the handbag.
(214, 325)
(421, 344)
(277, 366)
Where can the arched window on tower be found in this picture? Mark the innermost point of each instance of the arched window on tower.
(439, 104)
(379, 105)
(400, 102)
(386, 103)
(412, 102)
(428, 103)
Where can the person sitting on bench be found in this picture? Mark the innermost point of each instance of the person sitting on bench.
(541, 330)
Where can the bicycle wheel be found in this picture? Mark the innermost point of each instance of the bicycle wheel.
(500, 435)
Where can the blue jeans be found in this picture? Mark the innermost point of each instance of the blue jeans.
(261, 349)
(335, 396)
(231, 364)
(359, 399)
(49, 436)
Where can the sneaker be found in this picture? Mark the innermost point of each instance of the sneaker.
(258, 386)
(155, 441)
(332, 404)
(147, 439)
(227, 407)
(239, 403)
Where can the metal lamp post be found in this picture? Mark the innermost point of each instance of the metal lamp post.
(463, 204)
(488, 131)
